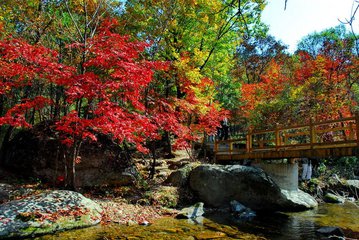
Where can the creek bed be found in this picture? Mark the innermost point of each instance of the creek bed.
(300, 225)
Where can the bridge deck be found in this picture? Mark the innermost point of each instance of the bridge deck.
(336, 138)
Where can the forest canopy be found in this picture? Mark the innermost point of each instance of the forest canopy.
(141, 70)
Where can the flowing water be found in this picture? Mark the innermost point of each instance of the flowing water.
(225, 226)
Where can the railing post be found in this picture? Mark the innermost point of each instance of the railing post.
(249, 140)
(357, 128)
(351, 131)
(277, 137)
(285, 139)
(313, 138)
(215, 146)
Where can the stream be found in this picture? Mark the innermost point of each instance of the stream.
(301, 225)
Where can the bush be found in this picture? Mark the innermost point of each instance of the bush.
(164, 196)
(345, 167)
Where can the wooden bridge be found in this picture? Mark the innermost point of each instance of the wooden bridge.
(335, 138)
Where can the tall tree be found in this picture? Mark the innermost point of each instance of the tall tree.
(254, 55)
(339, 45)
(335, 42)
(199, 39)
(112, 88)
(313, 88)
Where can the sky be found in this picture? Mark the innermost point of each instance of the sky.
(303, 17)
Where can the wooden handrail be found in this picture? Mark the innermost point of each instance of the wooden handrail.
(307, 125)
(357, 127)
(335, 121)
(281, 139)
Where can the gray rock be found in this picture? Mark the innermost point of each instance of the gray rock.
(335, 238)
(237, 207)
(162, 174)
(330, 231)
(4, 196)
(6, 191)
(47, 213)
(299, 200)
(216, 185)
(173, 165)
(192, 212)
(144, 223)
(179, 178)
(241, 212)
(116, 179)
(353, 184)
(6, 187)
(196, 221)
(332, 198)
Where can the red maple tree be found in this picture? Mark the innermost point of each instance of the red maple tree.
(107, 92)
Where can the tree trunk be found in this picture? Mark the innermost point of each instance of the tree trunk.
(204, 146)
(57, 107)
(153, 165)
(168, 146)
(5, 144)
(71, 166)
(2, 104)
(2, 128)
(69, 174)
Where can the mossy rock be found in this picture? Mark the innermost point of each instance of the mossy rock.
(47, 213)
(332, 198)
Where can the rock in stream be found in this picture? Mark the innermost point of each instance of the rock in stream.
(217, 185)
(47, 213)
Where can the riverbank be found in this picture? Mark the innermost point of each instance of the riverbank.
(138, 204)
(144, 203)
(117, 210)
(221, 225)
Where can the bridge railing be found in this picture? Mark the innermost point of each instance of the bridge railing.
(326, 134)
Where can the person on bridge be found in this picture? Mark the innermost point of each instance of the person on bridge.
(224, 130)
(306, 169)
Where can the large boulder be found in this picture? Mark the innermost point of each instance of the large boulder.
(217, 185)
(47, 213)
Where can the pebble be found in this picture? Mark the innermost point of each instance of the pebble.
(144, 223)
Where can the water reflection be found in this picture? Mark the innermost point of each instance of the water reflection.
(272, 226)
(345, 216)
(226, 226)
(166, 228)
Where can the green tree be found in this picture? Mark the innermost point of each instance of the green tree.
(335, 42)
(204, 33)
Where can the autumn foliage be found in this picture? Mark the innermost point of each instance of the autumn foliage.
(142, 71)
(315, 88)
(108, 91)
